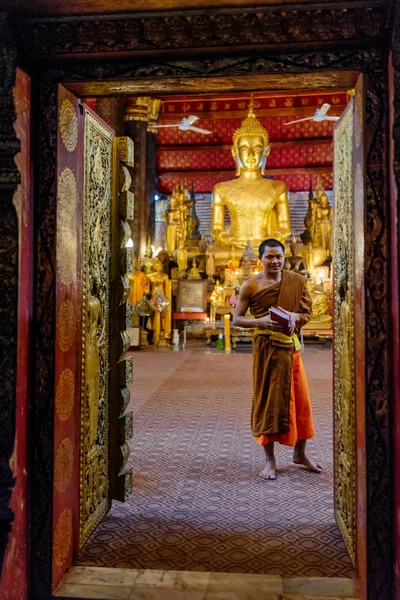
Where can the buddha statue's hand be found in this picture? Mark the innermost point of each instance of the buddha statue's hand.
(223, 237)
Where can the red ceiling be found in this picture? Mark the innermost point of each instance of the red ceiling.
(208, 163)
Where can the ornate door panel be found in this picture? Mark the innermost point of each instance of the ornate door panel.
(349, 329)
(345, 460)
(96, 273)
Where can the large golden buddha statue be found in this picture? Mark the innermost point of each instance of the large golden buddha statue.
(258, 207)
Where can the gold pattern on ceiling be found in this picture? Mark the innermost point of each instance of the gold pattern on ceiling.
(66, 226)
(63, 465)
(66, 325)
(68, 125)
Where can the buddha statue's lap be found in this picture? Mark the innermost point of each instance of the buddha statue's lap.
(258, 207)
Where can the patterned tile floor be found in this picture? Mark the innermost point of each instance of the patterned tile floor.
(198, 503)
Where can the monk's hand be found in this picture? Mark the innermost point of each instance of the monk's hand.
(267, 323)
(292, 325)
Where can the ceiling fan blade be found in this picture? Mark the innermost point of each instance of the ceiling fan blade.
(190, 120)
(162, 126)
(331, 118)
(323, 110)
(199, 130)
(299, 121)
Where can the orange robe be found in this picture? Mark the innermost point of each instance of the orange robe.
(281, 407)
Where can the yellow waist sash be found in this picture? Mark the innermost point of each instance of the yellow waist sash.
(277, 336)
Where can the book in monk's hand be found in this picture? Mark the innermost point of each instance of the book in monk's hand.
(283, 317)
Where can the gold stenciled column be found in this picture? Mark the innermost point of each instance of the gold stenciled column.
(151, 164)
(136, 119)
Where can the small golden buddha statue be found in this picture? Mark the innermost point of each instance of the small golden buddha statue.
(148, 260)
(194, 271)
(258, 207)
(158, 280)
(173, 218)
(210, 264)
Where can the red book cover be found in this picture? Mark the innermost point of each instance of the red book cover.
(281, 316)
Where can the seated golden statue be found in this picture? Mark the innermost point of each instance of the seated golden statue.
(295, 262)
(321, 319)
(194, 271)
(258, 207)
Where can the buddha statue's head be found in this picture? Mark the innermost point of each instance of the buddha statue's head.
(250, 145)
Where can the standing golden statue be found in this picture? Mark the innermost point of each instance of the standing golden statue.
(94, 334)
(173, 216)
(322, 225)
(158, 280)
(182, 259)
(258, 207)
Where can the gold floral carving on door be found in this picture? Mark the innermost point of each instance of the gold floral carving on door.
(94, 457)
(344, 403)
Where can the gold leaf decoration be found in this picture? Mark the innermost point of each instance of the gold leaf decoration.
(63, 465)
(66, 324)
(62, 537)
(65, 395)
(345, 445)
(95, 325)
(66, 227)
(68, 122)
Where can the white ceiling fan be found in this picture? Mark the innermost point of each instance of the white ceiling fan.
(320, 115)
(187, 125)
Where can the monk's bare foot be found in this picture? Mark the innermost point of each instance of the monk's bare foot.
(269, 471)
(305, 463)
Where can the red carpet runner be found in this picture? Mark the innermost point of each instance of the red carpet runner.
(198, 503)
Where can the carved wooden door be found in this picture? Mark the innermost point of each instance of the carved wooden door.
(91, 425)
(349, 329)
(96, 287)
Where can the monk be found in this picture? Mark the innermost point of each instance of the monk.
(281, 408)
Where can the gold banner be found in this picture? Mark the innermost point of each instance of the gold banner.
(94, 459)
(343, 259)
